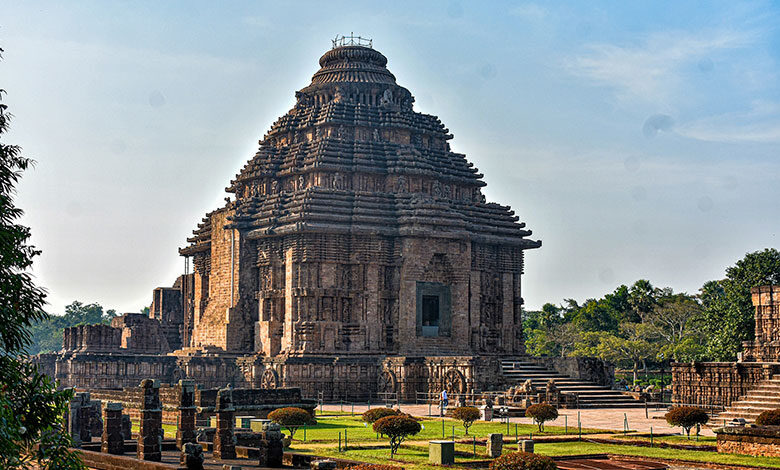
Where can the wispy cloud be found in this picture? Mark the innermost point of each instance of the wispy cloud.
(759, 124)
(650, 71)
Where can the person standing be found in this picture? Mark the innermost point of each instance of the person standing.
(444, 400)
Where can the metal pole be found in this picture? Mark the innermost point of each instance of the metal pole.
(339, 441)
(651, 436)
(304, 432)
(566, 424)
(474, 445)
(442, 428)
(353, 408)
(345, 439)
(453, 433)
(515, 431)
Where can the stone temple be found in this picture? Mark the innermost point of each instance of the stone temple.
(357, 255)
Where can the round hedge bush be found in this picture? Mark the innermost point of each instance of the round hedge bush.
(375, 414)
(541, 413)
(686, 417)
(769, 418)
(397, 428)
(290, 418)
(523, 461)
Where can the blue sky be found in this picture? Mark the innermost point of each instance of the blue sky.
(636, 139)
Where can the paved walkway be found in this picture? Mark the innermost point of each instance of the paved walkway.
(602, 418)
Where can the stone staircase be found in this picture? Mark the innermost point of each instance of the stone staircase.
(591, 395)
(766, 396)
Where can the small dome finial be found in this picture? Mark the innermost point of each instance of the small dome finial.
(352, 40)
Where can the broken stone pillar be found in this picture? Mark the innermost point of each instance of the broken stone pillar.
(84, 417)
(150, 431)
(95, 418)
(127, 427)
(495, 443)
(186, 420)
(192, 456)
(112, 441)
(74, 427)
(271, 447)
(224, 445)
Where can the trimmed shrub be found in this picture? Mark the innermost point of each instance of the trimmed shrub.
(467, 415)
(541, 413)
(374, 414)
(523, 461)
(686, 417)
(373, 466)
(290, 418)
(397, 428)
(769, 418)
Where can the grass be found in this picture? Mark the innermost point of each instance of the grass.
(327, 430)
(703, 440)
(411, 457)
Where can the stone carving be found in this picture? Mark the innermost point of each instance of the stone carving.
(387, 382)
(275, 186)
(454, 382)
(224, 441)
(495, 444)
(338, 181)
(301, 182)
(150, 428)
(436, 190)
(337, 95)
(375, 135)
(341, 133)
(402, 186)
(269, 379)
(387, 98)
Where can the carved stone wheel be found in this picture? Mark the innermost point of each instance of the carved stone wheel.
(454, 382)
(387, 382)
(269, 379)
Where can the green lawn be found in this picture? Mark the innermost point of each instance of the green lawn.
(703, 440)
(327, 429)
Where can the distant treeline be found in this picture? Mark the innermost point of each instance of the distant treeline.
(642, 324)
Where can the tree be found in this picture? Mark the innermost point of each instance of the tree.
(47, 333)
(642, 297)
(397, 428)
(291, 418)
(676, 321)
(466, 415)
(728, 309)
(31, 409)
(686, 417)
(541, 413)
(630, 348)
(374, 414)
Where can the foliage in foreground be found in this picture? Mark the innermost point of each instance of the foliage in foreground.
(397, 428)
(769, 418)
(523, 461)
(31, 408)
(541, 413)
(291, 418)
(466, 415)
(686, 417)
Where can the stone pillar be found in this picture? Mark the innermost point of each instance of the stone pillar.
(150, 432)
(192, 456)
(74, 428)
(224, 446)
(84, 417)
(112, 442)
(186, 420)
(127, 428)
(271, 447)
(495, 443)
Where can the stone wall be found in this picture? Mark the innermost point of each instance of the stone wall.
(717, 383)
(254, 402)
(766, 345)
(744, 440)
(583, 368)
(92, 338)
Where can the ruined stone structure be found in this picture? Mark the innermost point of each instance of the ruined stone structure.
(727, 383)
(357, 255)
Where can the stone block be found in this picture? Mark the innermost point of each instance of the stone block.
(441, 452)
(192, 456)
(486, 413)
(495, 444)
(526, 445)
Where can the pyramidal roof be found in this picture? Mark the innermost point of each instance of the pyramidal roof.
(352, 156)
